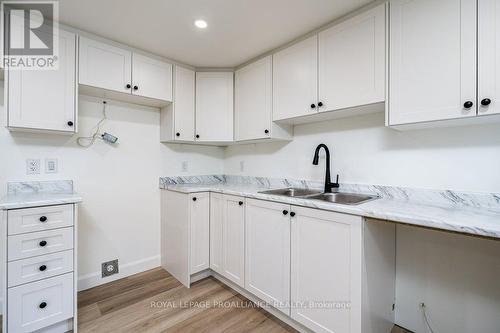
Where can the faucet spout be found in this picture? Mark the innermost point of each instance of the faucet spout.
(328, 183)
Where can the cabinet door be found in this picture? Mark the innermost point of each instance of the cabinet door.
(253, 100)
(216, 217)
(489, 57)
(233, 239)
(267, 256)
(200, 232)
(295, 80)
(105, 66)
(432, 60)
(45, 99)
(326, 267)
(352, 62)
(151, 78)
(184, 104)
(214, 106)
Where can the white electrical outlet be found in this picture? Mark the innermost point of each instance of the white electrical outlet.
(185, 166)
(242, 166)
(33, 166)
(51, 165)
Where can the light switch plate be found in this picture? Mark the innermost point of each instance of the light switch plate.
(33, 166)
(185, 166)
(51, 165)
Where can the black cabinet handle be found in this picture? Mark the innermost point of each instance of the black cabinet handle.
(486, 102)
(42, 305)
(42, 243)
(285, 212)
(197, 136)
(177, 134)
(468, 104)
(136, 87)
(128, 86)
(194, 199)
(292, 214)
(320, 104)
(43, 218)
(313, 106)
(266, 131)
(70, 123)
(42, 268)
(240, 203)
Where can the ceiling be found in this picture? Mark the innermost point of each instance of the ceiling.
(238, 30)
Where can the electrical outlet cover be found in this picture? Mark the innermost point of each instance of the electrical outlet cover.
(109, 268)
(33, 166)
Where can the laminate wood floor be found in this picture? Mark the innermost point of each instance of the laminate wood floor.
(154, 301)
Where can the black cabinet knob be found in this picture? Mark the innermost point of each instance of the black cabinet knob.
(128, 86)
(42, 243)
(313, 106)
(42, 268)
(194, 199)
(468, 104)
(240, 203)
(177, 134)
(197, 136)
(285, 212)
(320, 104)
(292, 214)
(70, 123)
(43, 218)
(136, 87)
(486, 102)
(42, 305)
(266, 131)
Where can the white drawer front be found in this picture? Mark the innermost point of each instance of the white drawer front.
(26, 310)
(39, 218)
(32, 244)
(41, 267)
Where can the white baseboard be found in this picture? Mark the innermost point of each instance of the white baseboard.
(94, 279)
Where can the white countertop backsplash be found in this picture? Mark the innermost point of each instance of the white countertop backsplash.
(41, 193)
(470, 213)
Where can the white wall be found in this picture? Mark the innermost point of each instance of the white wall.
(120, 214)
(365, 152)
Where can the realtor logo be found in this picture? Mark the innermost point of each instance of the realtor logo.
(29, 35)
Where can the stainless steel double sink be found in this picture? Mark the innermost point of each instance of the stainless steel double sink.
(337, 197)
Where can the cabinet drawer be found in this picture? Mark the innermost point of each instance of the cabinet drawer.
(39, 304)
(39, 218)
(38, 243)
(41, 267)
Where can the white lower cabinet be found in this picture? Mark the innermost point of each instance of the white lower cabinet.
(227, 236)
(267, 258)
(199, 224)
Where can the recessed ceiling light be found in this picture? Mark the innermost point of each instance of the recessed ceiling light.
(200, 24)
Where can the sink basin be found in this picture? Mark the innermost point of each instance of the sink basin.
(292, 192)
(343, 198)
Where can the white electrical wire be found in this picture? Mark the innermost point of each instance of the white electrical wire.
(422, 306)
(91, 139)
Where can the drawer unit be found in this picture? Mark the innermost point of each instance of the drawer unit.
(39, 218)
(39, 304)
(38, 243)
(40, 267)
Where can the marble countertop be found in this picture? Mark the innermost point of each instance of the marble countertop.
(467, 220)
(26, 200)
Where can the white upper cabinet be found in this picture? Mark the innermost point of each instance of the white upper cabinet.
(151, 78)
(105, 66)
(214, 106)
(177, 119)
(352, 62)
(295, 80)
(433, 60)
(489, 57)
(253, 100)
(45, 99)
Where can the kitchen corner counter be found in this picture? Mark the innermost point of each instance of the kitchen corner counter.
(36, 194)
(459, 218)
